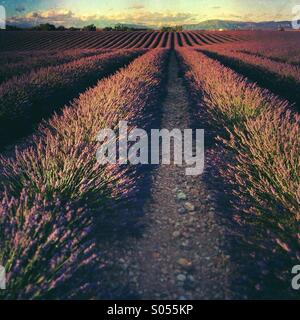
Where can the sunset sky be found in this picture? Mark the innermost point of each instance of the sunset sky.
(152, 12)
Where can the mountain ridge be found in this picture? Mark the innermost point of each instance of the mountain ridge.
(213, 24)
(237, 25)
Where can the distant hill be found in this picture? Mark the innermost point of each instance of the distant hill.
(237, 25)
(135, 26)
(204, 25)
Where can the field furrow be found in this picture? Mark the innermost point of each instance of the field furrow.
(72, 179)
(27, 99)
(11, 70)
(108, 39)
(280, 78)
(258, 133)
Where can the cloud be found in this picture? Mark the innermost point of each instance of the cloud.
(68, 18)
(58, 17)
(236, 16)
(136, 7)
(159, 18)
(138, 16)
(216, 8)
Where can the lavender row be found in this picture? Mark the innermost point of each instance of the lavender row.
(42, 60)
(27, 99)
(281, 78)
(55, 193)
(264, 155)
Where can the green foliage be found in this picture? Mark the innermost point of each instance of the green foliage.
(45, 27)
(90, 27)
(172, 29)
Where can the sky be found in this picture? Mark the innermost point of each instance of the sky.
(143, 12)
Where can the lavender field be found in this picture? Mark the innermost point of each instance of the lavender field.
(74, 228)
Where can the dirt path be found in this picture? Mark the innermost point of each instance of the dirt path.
(180, 255)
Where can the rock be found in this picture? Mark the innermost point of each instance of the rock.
(181, 211)
(156, 255)
(189, 206)
(194, 192)
(164, 271)
(191, 278)
(184, 263)
(185, 245)
(181, 196)
(192, 220)
(186, 235)
(211, 215)
(176, 234)
(181, 277)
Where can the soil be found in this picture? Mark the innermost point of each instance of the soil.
(181, 253)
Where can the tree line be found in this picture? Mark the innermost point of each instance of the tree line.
(91, 27)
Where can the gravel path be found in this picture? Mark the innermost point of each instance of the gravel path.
(180, 254)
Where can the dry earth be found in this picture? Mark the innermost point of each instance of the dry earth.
(180, 254)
